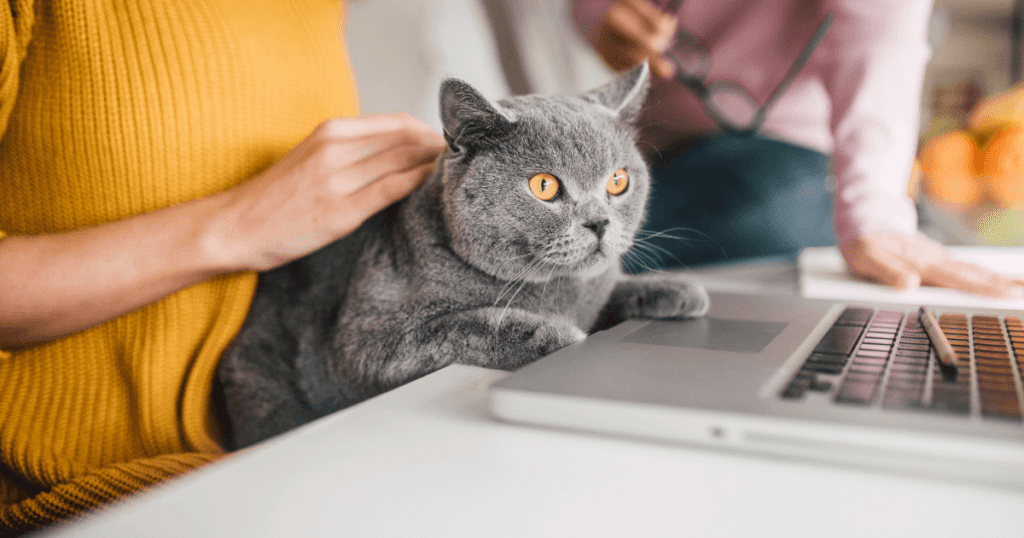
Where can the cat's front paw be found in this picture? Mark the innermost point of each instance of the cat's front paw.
(527, 337)
(552, 336)
(664, 296)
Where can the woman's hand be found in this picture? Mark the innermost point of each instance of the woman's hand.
(906, 262)
(323, 189)
(633, 31)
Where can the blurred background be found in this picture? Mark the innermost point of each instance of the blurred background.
(969, 182)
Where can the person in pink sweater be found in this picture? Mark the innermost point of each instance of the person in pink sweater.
(732, 188)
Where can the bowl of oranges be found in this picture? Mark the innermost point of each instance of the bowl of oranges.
(972, 179)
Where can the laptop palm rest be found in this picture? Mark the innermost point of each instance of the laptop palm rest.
(721, 359)
(709, 333)
(716, 380)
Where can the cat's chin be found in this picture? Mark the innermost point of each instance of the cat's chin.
(594, 264)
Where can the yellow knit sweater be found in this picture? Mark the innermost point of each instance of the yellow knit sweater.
(111, 108)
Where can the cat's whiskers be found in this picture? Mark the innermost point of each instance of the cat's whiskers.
(506, 261)
(644, 243)
(655, 252)
(522, 276)
(514, 258)
(668, 234)
(543, 251)
(512, 281)
(525, 281)
(546, 281)
(634, 257)
(646, 258)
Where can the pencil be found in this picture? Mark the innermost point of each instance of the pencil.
(947, 357)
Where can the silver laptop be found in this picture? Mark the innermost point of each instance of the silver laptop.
(845, 383)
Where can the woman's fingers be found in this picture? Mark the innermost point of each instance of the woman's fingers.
(908, 261)
(325, 187)
(337, 143)
(974, 279)
(379, 194)
(642, 25)
(634, 31)
(349, 179)
(363, 126)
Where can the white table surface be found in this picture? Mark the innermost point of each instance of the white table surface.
(427, 460)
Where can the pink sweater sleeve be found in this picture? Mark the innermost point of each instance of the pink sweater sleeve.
(874, 67)
(871, 64)
(588, 14)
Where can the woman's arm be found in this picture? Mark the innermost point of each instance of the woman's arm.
(877, 54)
(321, 190)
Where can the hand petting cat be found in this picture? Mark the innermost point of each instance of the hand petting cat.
(324, 188)
(346, 170)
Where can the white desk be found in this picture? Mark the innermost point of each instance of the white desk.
(426, 460)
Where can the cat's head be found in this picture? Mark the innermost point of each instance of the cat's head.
(536, 187)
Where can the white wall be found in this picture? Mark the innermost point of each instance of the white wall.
(556, 58)
(402, 49)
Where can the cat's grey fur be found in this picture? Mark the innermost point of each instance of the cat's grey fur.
(472, 268)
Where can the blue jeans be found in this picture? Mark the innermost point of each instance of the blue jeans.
(735, 196)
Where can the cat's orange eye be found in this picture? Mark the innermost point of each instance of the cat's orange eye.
(618, 182)
(544, 186)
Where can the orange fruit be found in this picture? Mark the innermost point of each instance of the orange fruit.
(1003, 107)
(1007, 194)
(1001, 165)
(948, 165)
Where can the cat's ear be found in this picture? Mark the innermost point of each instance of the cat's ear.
(468, 118)
(625, 95)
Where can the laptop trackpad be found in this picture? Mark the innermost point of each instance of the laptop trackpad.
(711, 333)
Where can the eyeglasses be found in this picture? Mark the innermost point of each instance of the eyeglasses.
(729, 104)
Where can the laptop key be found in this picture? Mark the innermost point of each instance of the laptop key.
(827, 358)
(794, 391)
(906, 398)
(839, 340)
(996, 385)
(823, 367)
(855, 316)
(856, 393)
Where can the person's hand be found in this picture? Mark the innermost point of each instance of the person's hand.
(906, 261)
(323, 189)
(633, 31)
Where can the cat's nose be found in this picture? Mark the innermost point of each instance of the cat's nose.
(597, 226)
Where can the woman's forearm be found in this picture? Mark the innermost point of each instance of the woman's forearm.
(54, 285)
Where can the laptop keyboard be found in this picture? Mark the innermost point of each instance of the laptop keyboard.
(884, 358)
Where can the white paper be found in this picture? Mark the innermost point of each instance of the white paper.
(823, 275)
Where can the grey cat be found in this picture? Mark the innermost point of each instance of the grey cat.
(510, 251)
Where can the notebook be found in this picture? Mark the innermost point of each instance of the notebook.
(851, 383)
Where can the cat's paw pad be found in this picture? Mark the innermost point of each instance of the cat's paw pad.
(673, 299)
(524, 338)
(550, 337)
